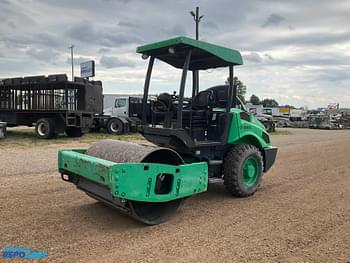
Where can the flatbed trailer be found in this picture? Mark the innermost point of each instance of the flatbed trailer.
(53, 104)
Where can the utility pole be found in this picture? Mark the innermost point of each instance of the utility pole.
(195, 77)
(197, 19)
(72, 59)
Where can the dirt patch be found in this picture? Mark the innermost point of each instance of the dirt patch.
(301, 213)
(24, 138)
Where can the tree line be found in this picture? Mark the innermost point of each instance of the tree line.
(255, 100)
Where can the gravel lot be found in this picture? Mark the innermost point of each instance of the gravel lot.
(300, 214)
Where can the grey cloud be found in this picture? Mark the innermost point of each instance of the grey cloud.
(103, 29)
(11, 24)
(104, 50)
(210, 25)
(177, 30)
(319, 60)
(314, 38)
(42, 54)
(107, 36)
(84, 32)
(257, 58)
(5, 2)
(114, 62)
(273, 20)
(127, 24)
(333, 76)
(24, 40)
(269, 57)
(85, 4)
(14, 14)
(307, 40)
(47, 39)
(77, 60)
(253, 57)
(121, 1)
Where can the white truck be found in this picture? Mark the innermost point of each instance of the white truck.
(122, 114)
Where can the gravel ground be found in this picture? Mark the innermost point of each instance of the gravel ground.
(300, 214)
(35, 160)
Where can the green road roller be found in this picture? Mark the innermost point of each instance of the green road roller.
(208, 137)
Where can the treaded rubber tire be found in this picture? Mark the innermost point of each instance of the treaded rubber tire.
(73, 132)
(233, 170)
(49, 126)
(112, 130)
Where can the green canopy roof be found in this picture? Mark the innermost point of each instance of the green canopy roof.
(204, 55)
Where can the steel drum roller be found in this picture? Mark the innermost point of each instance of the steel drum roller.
(127, 152)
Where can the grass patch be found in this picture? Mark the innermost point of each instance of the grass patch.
(25, 137)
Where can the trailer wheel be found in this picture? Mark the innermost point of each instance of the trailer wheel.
(243, 168)
(115, 126)
(73, 132)
(45, 128)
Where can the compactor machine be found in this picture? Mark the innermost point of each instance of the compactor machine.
(206, 138)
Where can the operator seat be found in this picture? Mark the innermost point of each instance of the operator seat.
(221, 97)
(203, 100)
(202, 103)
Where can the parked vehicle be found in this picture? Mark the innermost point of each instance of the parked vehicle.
(209, 138)
(122, 114)
(298, 115)
(55, 105)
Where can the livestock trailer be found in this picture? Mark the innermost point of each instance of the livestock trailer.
(53, 104)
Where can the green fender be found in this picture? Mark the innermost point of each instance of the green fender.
(248, 130)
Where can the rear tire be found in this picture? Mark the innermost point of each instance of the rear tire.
(73, 132)
(243, 169)
(45, 128)
(115, 126)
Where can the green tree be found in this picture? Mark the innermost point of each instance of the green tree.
(269, 103)
(241, 88)
(254, 100)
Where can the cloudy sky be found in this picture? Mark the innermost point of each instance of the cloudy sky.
(297, 52)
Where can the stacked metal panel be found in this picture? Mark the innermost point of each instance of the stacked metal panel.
(37, 93)
(51, 93)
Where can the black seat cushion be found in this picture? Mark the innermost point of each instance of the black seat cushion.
(163, 103)
(203, 100)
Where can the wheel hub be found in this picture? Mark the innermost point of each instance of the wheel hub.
(250, 171)
(115, 127)
(42, 129)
